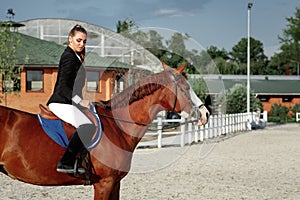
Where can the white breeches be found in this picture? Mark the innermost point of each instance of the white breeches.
(70, 114)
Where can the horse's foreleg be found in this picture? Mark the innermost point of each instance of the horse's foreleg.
(103, 189)
(115, 193)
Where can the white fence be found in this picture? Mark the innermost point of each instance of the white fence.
(188, 133)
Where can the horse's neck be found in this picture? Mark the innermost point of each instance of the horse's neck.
(138, 116)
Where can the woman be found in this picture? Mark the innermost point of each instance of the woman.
(67, 102)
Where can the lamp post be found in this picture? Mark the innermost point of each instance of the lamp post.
(248, 69)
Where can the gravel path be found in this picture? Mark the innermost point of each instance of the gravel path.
(261, 164)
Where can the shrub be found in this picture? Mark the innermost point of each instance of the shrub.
(279, 113)
(295, 109)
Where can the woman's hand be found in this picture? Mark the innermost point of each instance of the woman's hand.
(85, 103)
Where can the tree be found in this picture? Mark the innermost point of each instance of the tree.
(10, 74)
(125, 26)
(236, 100)
(214, 53)
(257, 57)
(290, 46)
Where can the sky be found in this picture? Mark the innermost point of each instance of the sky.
(208, 22)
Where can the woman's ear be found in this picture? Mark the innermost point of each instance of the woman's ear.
(69, 39)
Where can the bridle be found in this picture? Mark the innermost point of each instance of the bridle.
(175, 80)
(195, 113)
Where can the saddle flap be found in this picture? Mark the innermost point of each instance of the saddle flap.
(46, 113)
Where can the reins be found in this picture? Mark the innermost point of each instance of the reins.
(118, 119)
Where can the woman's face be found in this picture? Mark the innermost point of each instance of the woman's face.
(78, 41)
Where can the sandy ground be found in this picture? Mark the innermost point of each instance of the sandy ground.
(261, 164)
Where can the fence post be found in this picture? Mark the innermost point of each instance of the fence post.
(196, 128)
(229, 123)
(265, 116)
(159, 128)
(201, 133)
(190, 130)
(219, 124)
(206, 130)
(222, 124)
(226, 123)
(182, 129)
(211, 126)
(236, 121)
(239, 121)
(245, 120)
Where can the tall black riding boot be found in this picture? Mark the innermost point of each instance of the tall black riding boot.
(83, 134)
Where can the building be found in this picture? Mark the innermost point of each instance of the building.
(269, 89)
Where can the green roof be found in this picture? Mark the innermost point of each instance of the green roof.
(260, 87)
(96, 61)
(34, 51)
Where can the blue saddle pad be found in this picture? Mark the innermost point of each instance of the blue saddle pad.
(55, 130)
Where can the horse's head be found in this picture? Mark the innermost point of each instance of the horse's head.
(184, 100)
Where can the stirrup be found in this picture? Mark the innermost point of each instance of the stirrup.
(78, 170)
(70, 170)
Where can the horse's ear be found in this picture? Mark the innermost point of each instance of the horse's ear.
(182, 67)
(165, 66)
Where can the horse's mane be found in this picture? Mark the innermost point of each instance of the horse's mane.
(139, 90)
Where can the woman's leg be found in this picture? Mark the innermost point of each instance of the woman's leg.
(69, 113)
(85, 130)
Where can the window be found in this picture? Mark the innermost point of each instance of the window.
(92, 81)
(34, 80)
(119, 84)
(264, 98)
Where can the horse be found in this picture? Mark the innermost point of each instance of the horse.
(29, 155)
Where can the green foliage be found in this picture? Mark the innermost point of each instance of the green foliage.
(200, 88)
(234, 100)
(125, 26)
(214, 52)
(258, 60)
(10, 74)
(295, 109)
(233, 62)
(289, 57)
(279, 113)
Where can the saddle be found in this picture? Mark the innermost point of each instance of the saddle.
(83, 159)
(47, 114)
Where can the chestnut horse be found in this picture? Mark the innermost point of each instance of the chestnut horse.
(29, 155)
